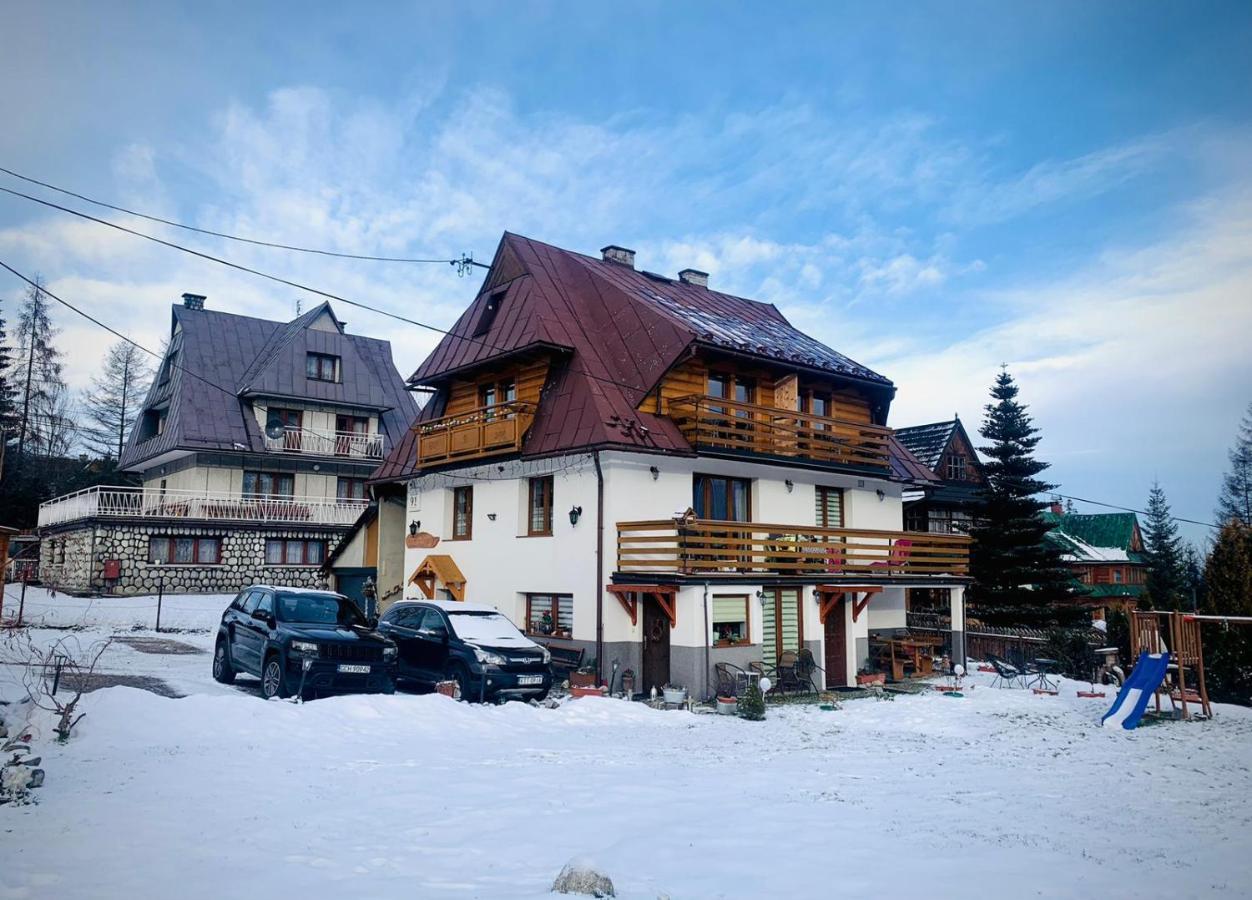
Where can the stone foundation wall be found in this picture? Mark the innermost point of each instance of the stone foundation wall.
(74, 559)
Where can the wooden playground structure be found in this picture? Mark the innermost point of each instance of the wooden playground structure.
(1179, 635)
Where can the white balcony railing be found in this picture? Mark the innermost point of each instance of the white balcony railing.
(337, 443)
(145, 503)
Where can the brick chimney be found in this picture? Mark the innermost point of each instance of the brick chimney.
(194, 301)
(615, 254)
(694, 276)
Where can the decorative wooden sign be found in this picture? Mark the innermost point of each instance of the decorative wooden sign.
(423, 540)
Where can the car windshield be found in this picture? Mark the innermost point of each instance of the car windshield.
(487, 628)
(318, 609)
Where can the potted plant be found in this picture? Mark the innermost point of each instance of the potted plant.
(869, 674)
(727, 706)
(585, 676)
(674, 694)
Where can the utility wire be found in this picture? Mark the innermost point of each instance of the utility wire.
(1141, 512)
(463, 263)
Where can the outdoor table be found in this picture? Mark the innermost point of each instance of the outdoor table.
(1046, 667)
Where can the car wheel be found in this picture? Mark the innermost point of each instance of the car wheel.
(542, 696)
(273, 679)
(223, 671)
(458, 673)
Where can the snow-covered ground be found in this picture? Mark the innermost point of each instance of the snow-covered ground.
(998, 793)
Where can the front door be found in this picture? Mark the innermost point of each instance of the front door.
(655, 646)
(837, 645)
(782, 623)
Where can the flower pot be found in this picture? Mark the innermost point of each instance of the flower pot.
(448, 689)
(727, 706)
(872, 678)
(588, 691)
(582, 679)
(674, 696)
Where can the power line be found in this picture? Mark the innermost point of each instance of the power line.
(463, 263)
(1141, 512)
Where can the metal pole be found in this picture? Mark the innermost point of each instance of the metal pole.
(160, 594)
(21, 605)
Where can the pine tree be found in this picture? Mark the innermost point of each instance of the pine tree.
(1228, 592)
(6, 388)
(1235, 501)
(1019, 576)
(114, 399)
(44, 420)
(1166, 582)
(752, 703)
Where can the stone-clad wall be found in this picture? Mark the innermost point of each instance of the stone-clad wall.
(67, 558)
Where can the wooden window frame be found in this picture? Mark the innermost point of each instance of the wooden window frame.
(777, 636)
(956, 467)
(822, 491)
(696, 476)
(747, 622)
(466, 490)
(546, 530)
(314, 366)
(554, 603)
(304, 543)
(195, 539)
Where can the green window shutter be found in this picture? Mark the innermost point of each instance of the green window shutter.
(729, 609)
(829, 507)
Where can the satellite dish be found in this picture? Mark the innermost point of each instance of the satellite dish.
(275, 429)
(766, 684)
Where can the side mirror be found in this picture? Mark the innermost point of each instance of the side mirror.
(372, 622)
(262, 616)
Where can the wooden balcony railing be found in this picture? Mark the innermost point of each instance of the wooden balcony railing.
(697, 546)
(146, 503)
(486, 431)
(730, 425)
(338, 443)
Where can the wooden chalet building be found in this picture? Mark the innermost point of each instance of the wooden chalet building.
(1106, 553)
(946, 504)
(254, 446)
(660, 474)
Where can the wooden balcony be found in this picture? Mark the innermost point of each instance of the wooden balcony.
(703, 547)
(486, 431)
(728, 425)
(147, 503)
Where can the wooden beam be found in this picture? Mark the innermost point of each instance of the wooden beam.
(859, 604)
(828, 603)
(625, 595)
(668, 601)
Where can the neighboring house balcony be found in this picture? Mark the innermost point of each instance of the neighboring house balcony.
(704, 548)
(141, 503)
(354, 444)
(735, 427)
(485, 431)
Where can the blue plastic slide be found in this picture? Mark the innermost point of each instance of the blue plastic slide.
(1132, 699)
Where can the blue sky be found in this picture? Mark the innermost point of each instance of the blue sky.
(932, 189)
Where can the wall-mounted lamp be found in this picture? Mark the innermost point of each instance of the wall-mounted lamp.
(791, 485)
(413, 526)
(491, 516)
(882, 495)
(760, 595)
(656, 473)
(574, 513)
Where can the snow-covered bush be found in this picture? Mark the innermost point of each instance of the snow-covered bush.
(752, 704)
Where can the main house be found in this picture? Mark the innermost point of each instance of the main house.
(660, 474)
(254, 446)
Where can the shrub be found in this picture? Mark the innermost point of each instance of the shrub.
(752, 704)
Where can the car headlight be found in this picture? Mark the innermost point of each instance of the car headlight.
(389, 653)
(547, 656)
(489, 659)
(307, 648)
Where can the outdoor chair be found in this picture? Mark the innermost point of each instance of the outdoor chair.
(788, 680)
(897, 556)
(729, 677)
(806, 665)
(1007, 674)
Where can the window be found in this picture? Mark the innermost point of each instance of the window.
(185, 551)
(351, 434)
(949, 521)
(550, 615)
(539, 519)
(730, 620)
(151, 423)
(265, 604)
(732, 387)
(722, 499)
(322, 367)
(298, 552)
(956, 467)
(251, 602)
(269, 484)
(350, 489)
(490, 310)
(167, 367)
(495, 393)
(829, 507)
(462, 513)
(1117, 576)
(290, 421)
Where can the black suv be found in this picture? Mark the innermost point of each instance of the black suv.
(473, 645)
(302, 641)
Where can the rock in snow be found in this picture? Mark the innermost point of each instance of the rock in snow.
(580, 877)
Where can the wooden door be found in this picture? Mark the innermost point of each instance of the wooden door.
(836, 663)
(655, 646)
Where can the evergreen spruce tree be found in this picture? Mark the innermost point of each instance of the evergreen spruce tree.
(752, 704)
(1228, 592)
(1019, 576)
(1235, 500)
(1167, 581)
(114, 399)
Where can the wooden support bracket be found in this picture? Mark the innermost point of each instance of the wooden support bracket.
(668, 601)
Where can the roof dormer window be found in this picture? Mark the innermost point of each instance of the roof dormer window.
(323, 367)
(492, 308)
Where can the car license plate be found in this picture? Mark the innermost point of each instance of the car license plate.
(347, 669)
(529, 679)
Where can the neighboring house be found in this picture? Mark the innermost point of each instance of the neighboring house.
(947, 505)
(254, 446)
(660, 474)
(372, 552)
(1106, 553)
